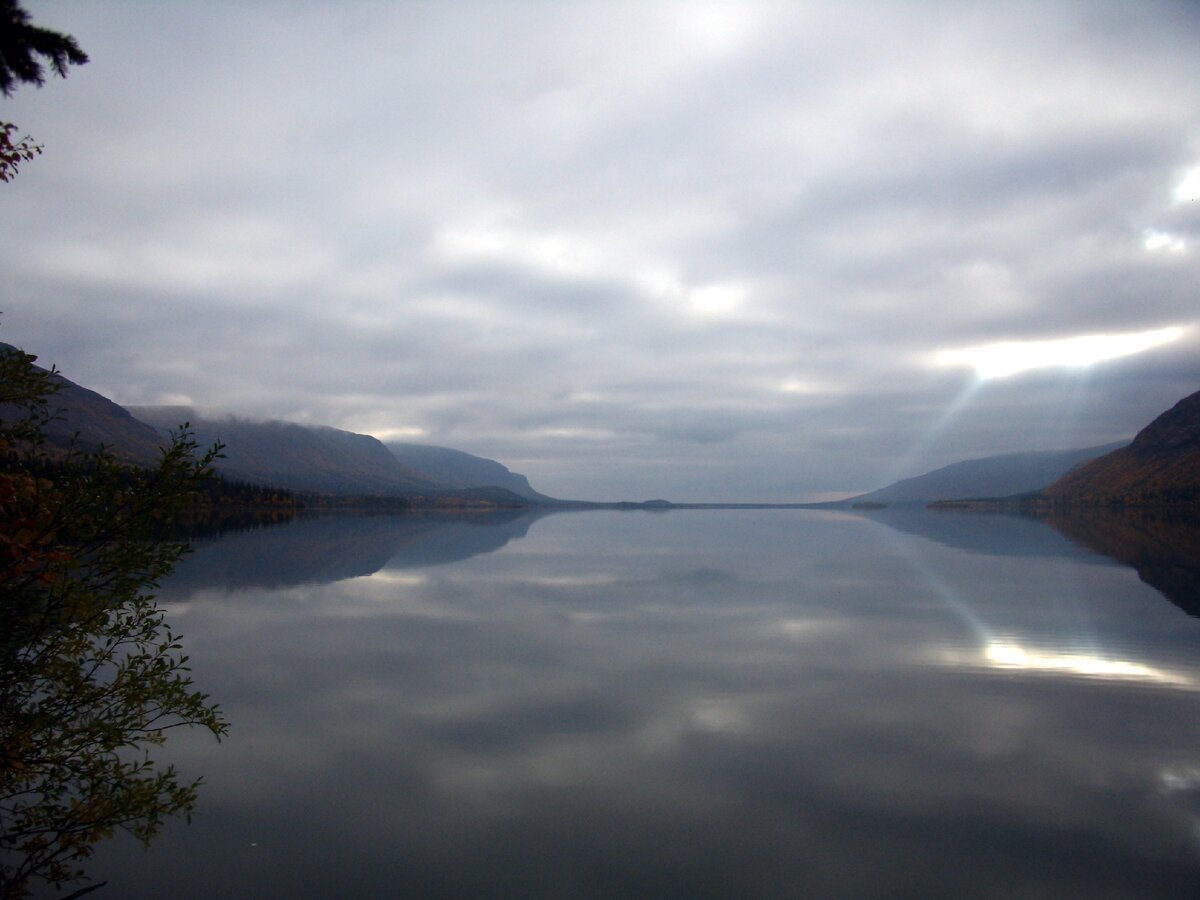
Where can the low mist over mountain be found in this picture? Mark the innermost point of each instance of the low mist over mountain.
(331, 461)
(991, 476)
(299, 457)
(457, 469)
(1161, 467)
(280, 454)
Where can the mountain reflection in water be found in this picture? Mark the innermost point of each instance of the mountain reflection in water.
(701, 703)
(1163, 547)
(322, 549)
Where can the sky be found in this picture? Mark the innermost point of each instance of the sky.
(699, 251)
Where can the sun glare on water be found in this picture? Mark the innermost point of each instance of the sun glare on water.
(1007, 358)
(1012, 656)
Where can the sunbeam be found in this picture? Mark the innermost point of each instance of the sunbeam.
(903, 464)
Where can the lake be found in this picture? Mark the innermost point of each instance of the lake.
(697, 703)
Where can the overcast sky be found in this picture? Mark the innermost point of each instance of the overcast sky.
(695, 251)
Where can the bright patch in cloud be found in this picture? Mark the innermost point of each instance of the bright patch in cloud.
(709, 301)
(1189, 188)
(556, 253)
(718, 28)
(174, 400)
(1012, 357)
(798, 386)
(716, 300)
(398, 434)
(660, 282)
(1156, 241)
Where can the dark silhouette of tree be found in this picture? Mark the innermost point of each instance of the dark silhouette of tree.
(14, 151)
(23, 46)
(91, 676)
(22, 49)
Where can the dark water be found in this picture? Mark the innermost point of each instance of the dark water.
(692, 704)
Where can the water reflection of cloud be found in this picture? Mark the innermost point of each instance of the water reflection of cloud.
(568, 581)
(1180, 779)
(1013, 656)
(804, 628)
(1006, 655)
(751, 703)
(1058, 617)
(392, 576)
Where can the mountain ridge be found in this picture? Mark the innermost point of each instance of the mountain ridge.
(87, 420)
(459, 469)
(299, 457)
(1159, 467)
(1003, 475)
(318, 459)
(328, 460)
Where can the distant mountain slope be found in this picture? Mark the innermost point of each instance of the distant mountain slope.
(96, 420)
(1161, 467)
(458, 469)
(991, 476)
(284, 454)
(299, 457)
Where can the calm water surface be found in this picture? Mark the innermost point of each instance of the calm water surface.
(690, 704)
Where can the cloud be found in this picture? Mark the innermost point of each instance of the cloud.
(464, 221)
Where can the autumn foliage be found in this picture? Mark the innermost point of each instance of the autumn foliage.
(91, 676)
(1160, 468)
